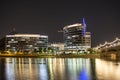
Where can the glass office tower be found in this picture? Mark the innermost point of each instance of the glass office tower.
(76, 38)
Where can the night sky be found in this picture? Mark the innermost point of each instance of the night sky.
(47, 17)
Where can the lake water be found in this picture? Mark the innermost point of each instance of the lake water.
(58, 69)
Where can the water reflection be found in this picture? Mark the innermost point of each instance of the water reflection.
(2, 69)
(58, 69)
(25, 69)
(83, 75)
(107, 70)
(75, 65)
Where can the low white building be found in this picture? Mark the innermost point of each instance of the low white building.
(59, 45)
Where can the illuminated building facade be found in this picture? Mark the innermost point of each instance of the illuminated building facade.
(76, 38)
(25, 42)
(57, 47)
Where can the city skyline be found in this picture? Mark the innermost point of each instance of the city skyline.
(47, 18)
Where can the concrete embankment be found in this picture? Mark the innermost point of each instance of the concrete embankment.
(53, 56)
(110, 55)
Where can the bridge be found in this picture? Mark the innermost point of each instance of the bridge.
(110, 49)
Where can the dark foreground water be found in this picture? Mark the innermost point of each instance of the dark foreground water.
(58, 69)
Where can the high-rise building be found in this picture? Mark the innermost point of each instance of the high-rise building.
(76, 38)
(25, 42)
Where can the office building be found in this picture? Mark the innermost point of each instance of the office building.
(25, 42)
(76, 38)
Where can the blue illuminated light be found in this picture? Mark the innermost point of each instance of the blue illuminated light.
(83, 75)
(84, 24)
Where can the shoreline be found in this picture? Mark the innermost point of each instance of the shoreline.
(51, 56)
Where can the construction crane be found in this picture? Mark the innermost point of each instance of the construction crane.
(60, 31)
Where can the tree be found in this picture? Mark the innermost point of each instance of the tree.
(50, 50)
(44, 50)
(40, 50)
(91, 51)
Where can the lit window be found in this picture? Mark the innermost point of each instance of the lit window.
(12, 39)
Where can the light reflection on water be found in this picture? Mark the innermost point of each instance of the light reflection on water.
(107, 70)
(58, 69)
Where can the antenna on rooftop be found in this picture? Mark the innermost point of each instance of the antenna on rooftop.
(60, 31)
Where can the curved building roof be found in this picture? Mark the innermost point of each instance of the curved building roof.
(27, 35)
(73, 25)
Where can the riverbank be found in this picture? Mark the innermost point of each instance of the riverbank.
(52, 56)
